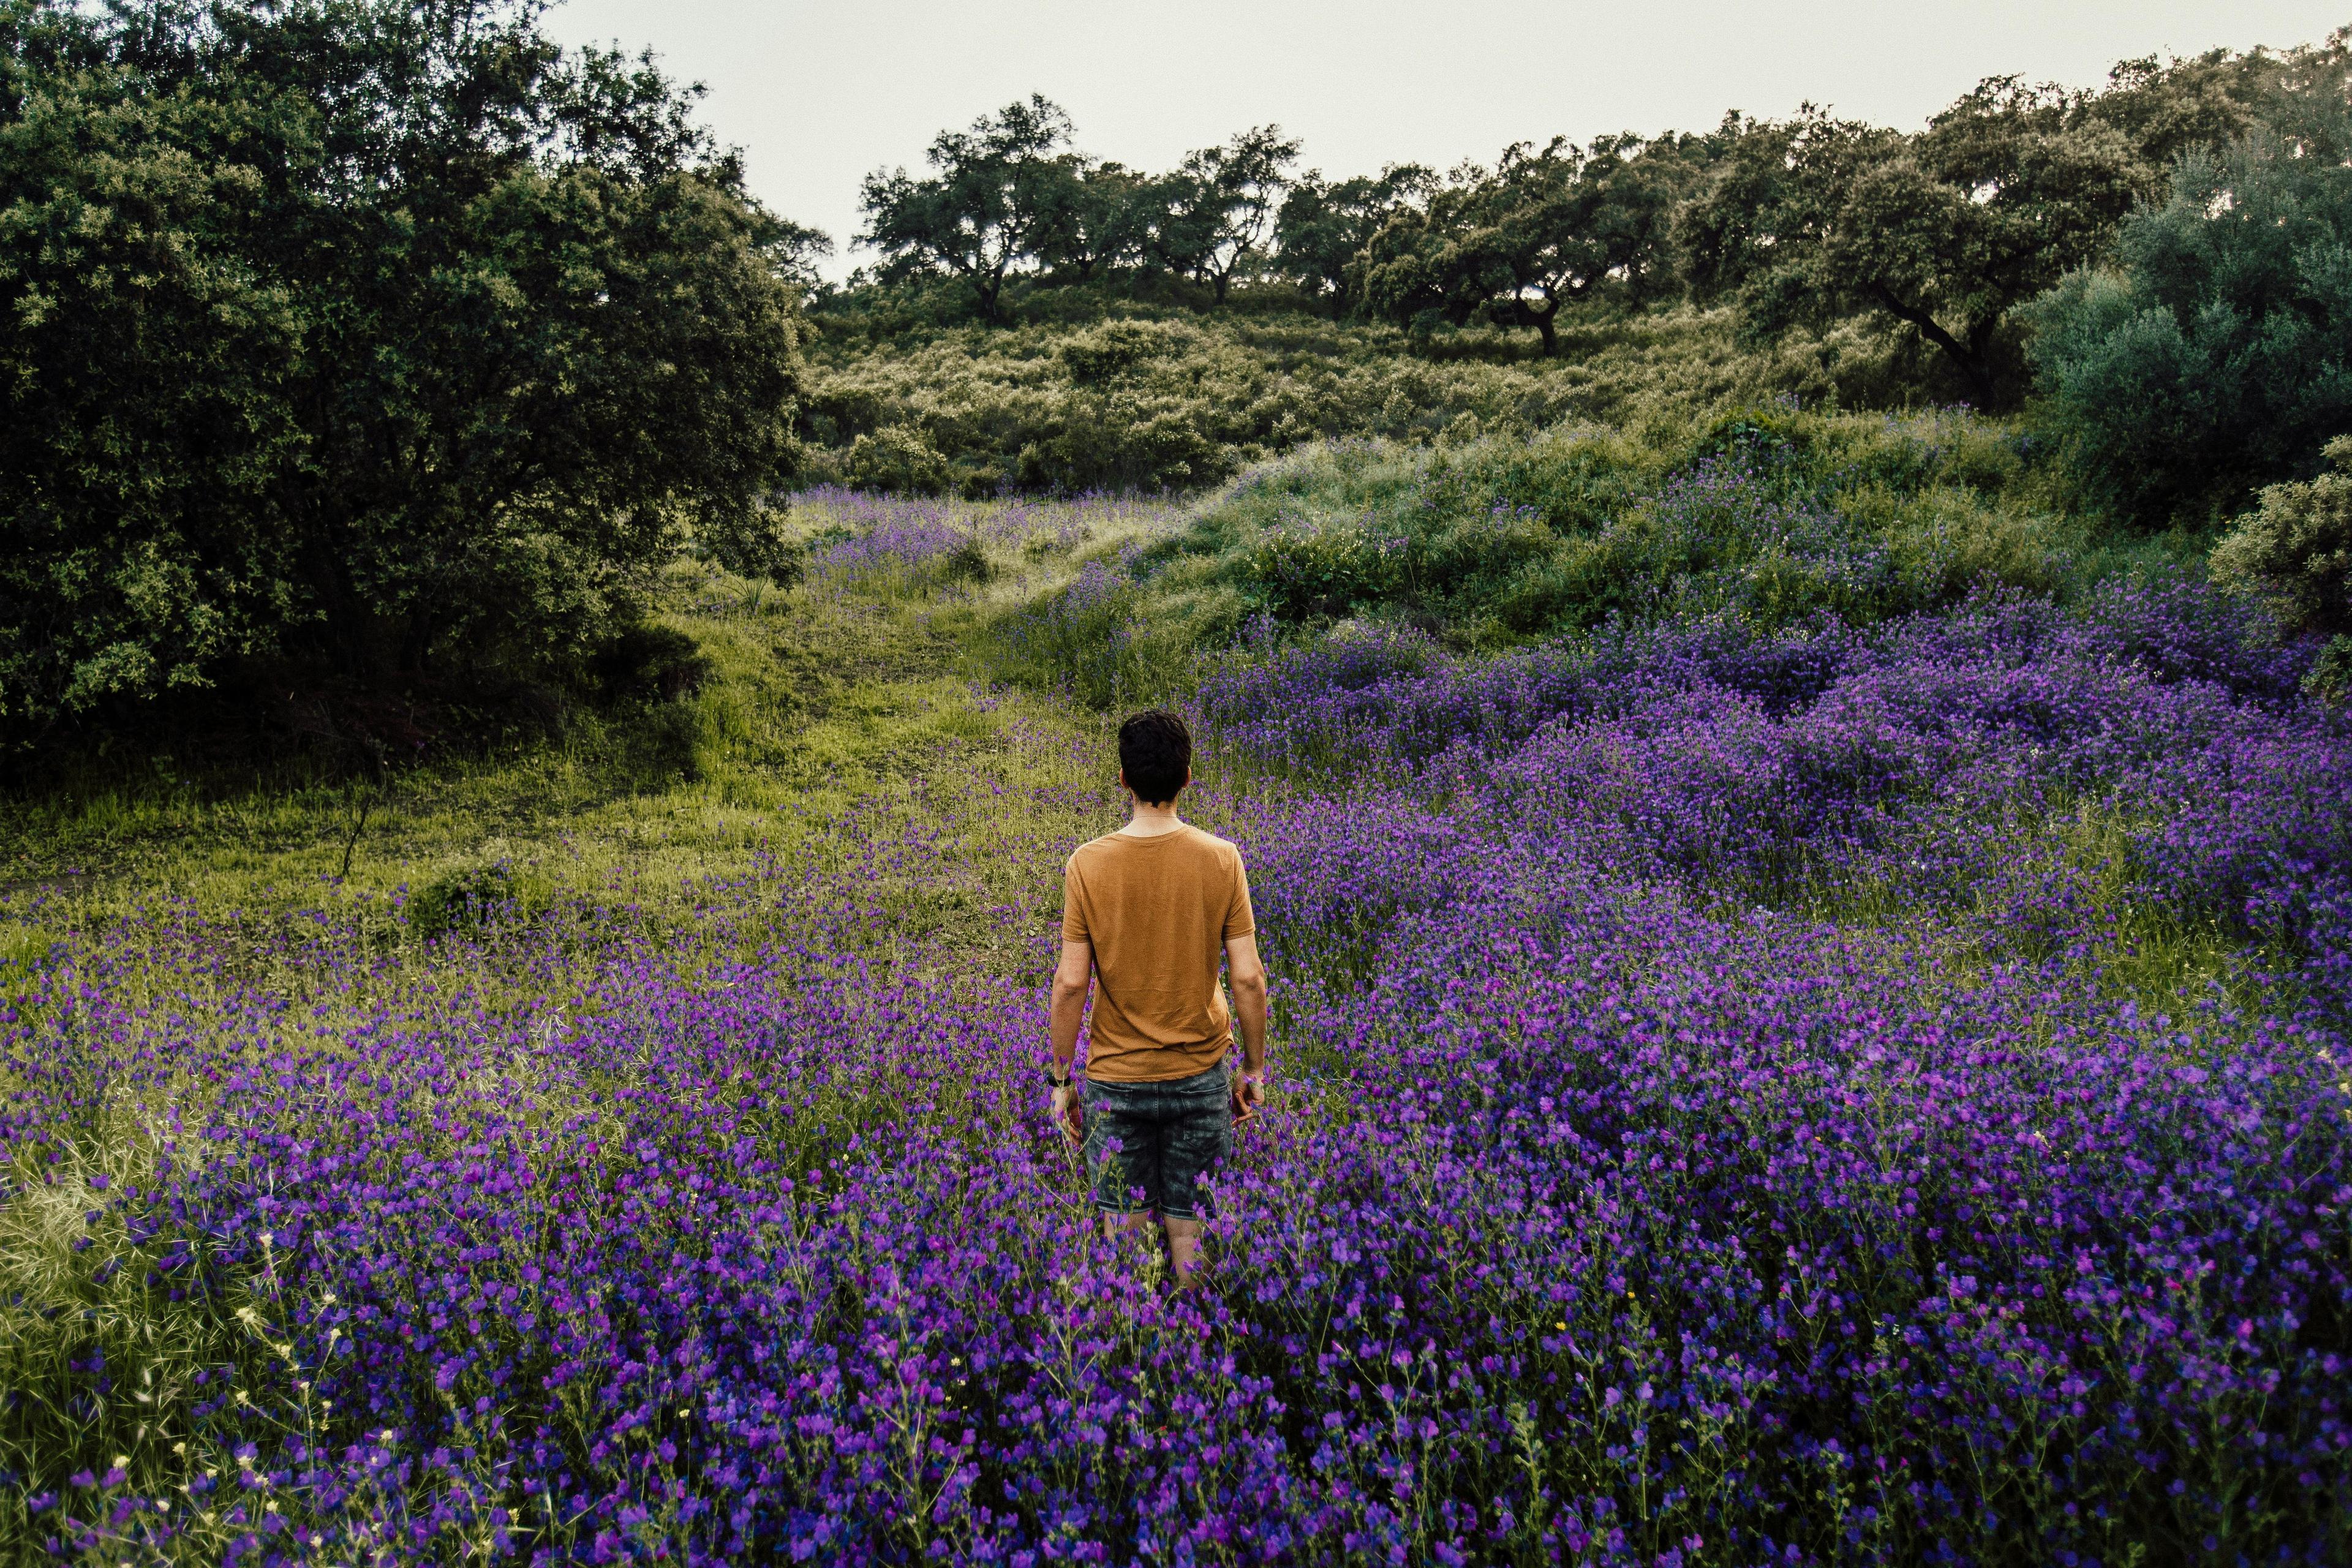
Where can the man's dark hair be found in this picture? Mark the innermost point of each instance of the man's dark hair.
(1155, 752)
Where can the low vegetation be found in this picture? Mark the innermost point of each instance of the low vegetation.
(1776, 513)
(1813, 921)
(1148, 402)
(1729, 1065)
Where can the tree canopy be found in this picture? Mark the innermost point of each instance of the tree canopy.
(382, 334)
(1946, 233)
(1544, 228)
(2214, 352)
(1216, 213)
(999, 191)
(1322, 226)
(1814, 223)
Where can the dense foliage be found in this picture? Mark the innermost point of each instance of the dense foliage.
(1893, 269)
(1130, 399)
(2294, 552)
(1545, 227)
(1816, 1095)
(2217, 353)
(371, 336)
(1945, 232)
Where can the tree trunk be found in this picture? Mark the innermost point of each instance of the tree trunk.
(342, 620)
(1515, 311)
(1967, 358)
(1543, 322)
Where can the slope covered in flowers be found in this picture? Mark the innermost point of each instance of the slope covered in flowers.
(1809, 1095)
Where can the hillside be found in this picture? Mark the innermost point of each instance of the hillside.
(1704, 1044)
(1154, 400)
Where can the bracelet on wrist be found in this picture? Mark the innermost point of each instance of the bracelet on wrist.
(1060, 1079)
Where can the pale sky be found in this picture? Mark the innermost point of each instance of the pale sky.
(817, 95)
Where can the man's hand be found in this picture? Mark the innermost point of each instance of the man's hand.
(1065, 1114)
(1249, 1097)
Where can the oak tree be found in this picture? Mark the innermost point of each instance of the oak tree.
(983, 211)
(1215, 213)
(1322, 227)
(1818, 219)
(1545, 227)
(1094, 216)
(384, 334)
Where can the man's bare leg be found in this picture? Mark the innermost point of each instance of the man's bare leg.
(1184, 1239)
(1183, 1247)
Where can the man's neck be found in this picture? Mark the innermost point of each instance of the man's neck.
(1151, 821)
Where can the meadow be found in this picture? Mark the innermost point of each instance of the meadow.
(1838, 1058)
(1137, 395)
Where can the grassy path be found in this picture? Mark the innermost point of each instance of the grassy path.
(820, 700)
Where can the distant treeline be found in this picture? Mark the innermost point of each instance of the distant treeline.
(1805, 222)
(2160, 259)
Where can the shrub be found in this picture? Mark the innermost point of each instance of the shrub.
(900, 459)
(2217, 355)
(2295, 553)
(1141, 403)
(462, 900)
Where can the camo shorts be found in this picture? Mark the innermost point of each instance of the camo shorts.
(1148, 1145)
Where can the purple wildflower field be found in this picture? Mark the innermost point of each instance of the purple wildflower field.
(1825, 1095)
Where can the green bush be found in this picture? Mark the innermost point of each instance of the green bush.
(898, 459)
(2216, 356)
(2295, 553)
(462, 900)
(424, 373)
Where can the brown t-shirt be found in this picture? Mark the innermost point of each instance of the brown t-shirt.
(1158, 912)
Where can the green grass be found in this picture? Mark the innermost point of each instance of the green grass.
(817, 702)
(1505, 540)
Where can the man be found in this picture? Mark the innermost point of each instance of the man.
(1147, 910)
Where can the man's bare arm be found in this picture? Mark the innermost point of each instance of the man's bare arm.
(1247, 972)
(1069, 1006)
(1069, 1010)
